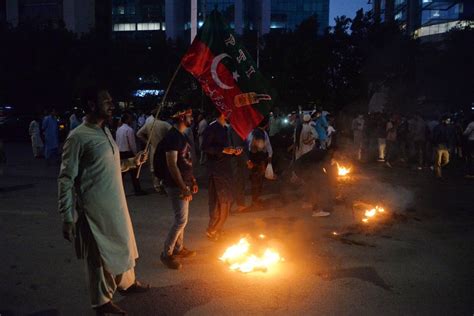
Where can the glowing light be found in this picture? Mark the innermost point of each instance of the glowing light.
(372, 213)
(342, 171)
(240, 258)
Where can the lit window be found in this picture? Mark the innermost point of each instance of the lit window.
(148, 26)
(125, 27)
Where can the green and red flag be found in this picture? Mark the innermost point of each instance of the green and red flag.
(228, 75)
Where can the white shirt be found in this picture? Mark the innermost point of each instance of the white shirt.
(126, 139)
(469, 132)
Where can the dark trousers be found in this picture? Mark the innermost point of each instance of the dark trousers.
(239, 169)
(257, 173)
(220, 199)
(470, 157)
(132, 172)
(391, 151)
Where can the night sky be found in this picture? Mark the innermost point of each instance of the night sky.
(346, 7)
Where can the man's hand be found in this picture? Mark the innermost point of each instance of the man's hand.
(69, 231)
(238, 151)
(250, 164)
(140, 158)
(187, 194)
(228, 151)
(195, 188)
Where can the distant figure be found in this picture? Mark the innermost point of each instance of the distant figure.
(160, 128)
(74, 120)
(36, 141)
(391, 129)
(358, 126)
(321, 126)
(260, 154)
(305, 137)
(418, 131)
(202, 125)
(128, 148)
(469, 134)
(441, 140)
(51, 137)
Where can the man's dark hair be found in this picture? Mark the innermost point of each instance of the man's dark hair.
(126, 116)
(179, 109)
(90, 94)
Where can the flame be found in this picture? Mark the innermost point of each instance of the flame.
(372, 212)
(239, 258)
(342, 171)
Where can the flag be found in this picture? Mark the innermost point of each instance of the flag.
(228, 75)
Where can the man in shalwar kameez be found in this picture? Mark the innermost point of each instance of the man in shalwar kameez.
(90, 183)
(51, 137)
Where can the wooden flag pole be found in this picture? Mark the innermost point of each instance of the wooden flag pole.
(158, 109)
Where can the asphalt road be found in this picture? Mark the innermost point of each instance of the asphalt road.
(419, 263)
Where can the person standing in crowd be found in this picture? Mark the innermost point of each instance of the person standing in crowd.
(418, 132)
(402, 139)
(141, 120)
(441, 146)
(331, 141)
(469, 134)
(90, 184)
(51, 137)
(321, 126)
(391, 131)
(36, 141)
(305, 137)
(160, 128)
(239, 170)
(219, 152)
(202, 125)
(358, 125)
(260, 155)
(74, 120)
(173, 162)
(128, 148)
(381, 131)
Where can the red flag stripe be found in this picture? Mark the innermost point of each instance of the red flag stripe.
(198, 62)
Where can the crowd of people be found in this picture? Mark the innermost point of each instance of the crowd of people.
(424, 142)
(298, 149)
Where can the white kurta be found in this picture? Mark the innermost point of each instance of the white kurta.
(91, 169)
(306, 141)
(35, 133)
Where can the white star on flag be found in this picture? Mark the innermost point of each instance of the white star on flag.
(236, 76)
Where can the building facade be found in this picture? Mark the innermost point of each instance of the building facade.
(425, 18)
(182, 18)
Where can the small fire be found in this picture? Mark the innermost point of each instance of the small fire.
(240, 258)
(372, 213)
(342, 171)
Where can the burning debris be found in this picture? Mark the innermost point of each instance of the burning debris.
(342, 171)
(248, 255)
(370, 214)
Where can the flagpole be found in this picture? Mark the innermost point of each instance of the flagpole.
(158, 109)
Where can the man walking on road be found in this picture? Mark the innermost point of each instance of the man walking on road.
(128, 148)
(219, 153)
(174, 164)
(90, 183)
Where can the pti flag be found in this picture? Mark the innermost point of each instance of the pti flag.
(228, 75)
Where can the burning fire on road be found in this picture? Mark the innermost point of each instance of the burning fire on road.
(248, 255)
(342, 171)
(372, 213)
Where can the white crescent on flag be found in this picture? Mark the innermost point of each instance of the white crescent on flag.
(215, 76)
